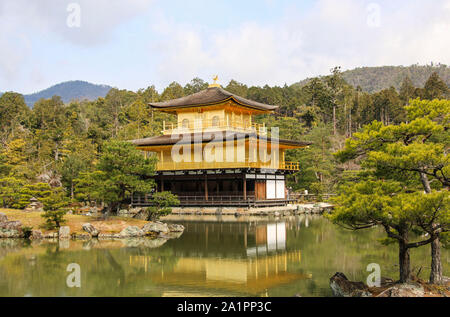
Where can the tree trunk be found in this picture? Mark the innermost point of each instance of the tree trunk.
(404, 262)
(425, 183)
(112, 209)
(334, 120)
(350, 124)
(436, 264)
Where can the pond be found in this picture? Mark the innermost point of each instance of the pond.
(216, 256)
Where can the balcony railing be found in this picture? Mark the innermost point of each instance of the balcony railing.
(182, 166)
(216, 201)
(214, 125)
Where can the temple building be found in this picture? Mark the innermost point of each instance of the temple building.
(215, 154)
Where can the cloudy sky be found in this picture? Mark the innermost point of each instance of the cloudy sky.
(136, 43)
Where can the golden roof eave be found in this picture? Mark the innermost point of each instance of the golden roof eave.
(208, 97)
(176, 109)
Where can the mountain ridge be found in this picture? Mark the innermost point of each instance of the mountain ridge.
(70, 90)
(374, 79)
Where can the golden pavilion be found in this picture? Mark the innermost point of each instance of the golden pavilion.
(217, 155)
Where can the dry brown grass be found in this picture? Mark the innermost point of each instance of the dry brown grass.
(75, 222)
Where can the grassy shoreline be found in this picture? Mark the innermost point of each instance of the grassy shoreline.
(110, 226)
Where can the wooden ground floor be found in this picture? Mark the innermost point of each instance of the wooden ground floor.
(244, 188)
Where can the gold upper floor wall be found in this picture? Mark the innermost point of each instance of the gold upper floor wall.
(218, 155)
(224, 116)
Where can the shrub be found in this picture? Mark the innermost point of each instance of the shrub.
(27, 231)
(317, 189)
(162, 203)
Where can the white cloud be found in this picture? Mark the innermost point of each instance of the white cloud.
(275, 51)
(332, 33)
(22, 21)
(99, 18)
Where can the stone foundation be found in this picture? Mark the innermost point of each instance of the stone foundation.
(261, 211)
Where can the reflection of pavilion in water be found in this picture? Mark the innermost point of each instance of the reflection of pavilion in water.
(269, 238)
(236, 257)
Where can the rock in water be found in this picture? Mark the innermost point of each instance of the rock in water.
(175, 228)
(404, 290)
(342, 287)
(64, 233)
(36, 235)
(3, 217)
(11, 229)
(91, 230)
(132, 231)
(155, 227)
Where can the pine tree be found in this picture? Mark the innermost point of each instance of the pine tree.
(412, 153)
(435, 88)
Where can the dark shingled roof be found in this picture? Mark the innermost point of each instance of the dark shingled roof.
(211, 96)
(208, 137)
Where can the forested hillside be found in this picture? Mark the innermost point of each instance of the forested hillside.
(59, 143)
(370, 79)
(373, 79)
(68, 91)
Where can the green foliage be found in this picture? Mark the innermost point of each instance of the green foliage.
(435, 110)
(366, 204)
(4, 169)
(85, 186)
(121, 170)
(195, 86)
(435, 88)
(417, 147)
(412, 197)
(372, 202)
(317, 162)
(10, 189)
(14, 114)
(70, 170)
(162, 203)
(317, 188)
(54, 207)
(40, 191)
(237, 88)
(27, 232)
(173, 91)
(14, 158)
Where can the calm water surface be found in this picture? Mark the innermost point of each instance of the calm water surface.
(214, 257)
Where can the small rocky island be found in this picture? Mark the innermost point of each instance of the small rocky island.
(76, 229)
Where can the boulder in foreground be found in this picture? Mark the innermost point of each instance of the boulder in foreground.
(404, 290)
(342, 287)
